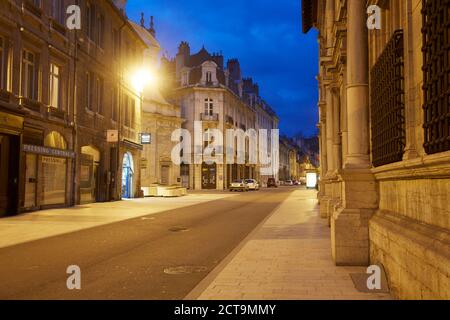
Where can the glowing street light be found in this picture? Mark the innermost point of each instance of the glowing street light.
(143, 78)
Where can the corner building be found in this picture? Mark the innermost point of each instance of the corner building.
(218, 96)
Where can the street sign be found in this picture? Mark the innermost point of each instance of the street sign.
(112, 136)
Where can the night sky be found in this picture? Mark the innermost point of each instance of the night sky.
(266, 37)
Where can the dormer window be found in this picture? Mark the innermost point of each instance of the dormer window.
(209, 76)
(185, 79)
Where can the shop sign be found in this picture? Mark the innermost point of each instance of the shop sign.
(51, 160)
(146, 138)
(48, 151)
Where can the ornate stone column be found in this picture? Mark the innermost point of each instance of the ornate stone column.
(330, 130)
(337, 146)
(349, 223)
(343, 102)
(357, 86)
(323, 199)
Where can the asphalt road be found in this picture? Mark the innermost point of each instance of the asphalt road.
(160, 256)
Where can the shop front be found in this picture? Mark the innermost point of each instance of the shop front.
(10, 132)
(9, 173)
(47, 173)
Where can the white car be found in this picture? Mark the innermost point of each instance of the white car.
(289, 183)
(252, 184)
(239, 185)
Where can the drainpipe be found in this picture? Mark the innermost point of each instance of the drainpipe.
(119, 91)
(75, 125)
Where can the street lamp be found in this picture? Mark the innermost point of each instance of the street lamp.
(142, 78)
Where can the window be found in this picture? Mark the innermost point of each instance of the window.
(99, 94)
(90, 21)
(207, 138)
(88, 91)
(436, 75)
(116, 43)
(388, 103)
(100, 30)
(132, 112)
(115, 100)
(126, 110)
(3, 64)
(209, 107)
(55, 86)
(58, 13)
(185, 79)
(29, 75)
(208, 77)
(55, 140)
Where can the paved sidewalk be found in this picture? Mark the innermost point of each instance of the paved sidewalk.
(46, 223)
(288, 257)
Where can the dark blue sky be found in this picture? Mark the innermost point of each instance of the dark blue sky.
(266, 37)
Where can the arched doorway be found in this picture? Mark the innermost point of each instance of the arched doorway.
(127, 176)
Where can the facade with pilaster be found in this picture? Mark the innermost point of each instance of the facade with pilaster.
(385, 138)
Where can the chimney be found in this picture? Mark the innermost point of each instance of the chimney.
(152, 27)
(121, 4)
(182, 58)
(234, 68)
(142, 20)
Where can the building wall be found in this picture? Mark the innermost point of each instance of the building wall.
(158, 153)
(409, 231)
(29, 30)
(71, 54)
(396, 214)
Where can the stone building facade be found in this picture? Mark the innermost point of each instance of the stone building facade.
(208, 91)
(384, 138)
(284, 170)
(159, 120)
(60, 91)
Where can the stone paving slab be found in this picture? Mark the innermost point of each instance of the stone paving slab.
(287, 258)
(46, 223)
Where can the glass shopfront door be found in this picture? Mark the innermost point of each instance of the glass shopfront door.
(209, 176)
(9, 174)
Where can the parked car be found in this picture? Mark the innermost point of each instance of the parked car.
(289, 183)
(296, 183)
(252, 184)
(271, 183)
(239, 185)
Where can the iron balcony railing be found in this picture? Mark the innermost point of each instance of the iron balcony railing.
(210, 117)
